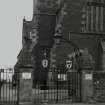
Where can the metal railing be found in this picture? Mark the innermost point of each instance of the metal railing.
(9, 86)
(62, 87)
(99, 86)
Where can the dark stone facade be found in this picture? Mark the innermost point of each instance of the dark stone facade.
(71, 22)
(45, 25)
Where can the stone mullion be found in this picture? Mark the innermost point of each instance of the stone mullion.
(92, 17)
(101, 16)
(97, 18)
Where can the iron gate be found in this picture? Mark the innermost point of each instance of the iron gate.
(62, 87)
(9, 86)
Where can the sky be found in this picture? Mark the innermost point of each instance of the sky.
(12, 13)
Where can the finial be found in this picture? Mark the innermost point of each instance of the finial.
(24, 19)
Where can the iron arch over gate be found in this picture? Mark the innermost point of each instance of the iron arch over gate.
(63, 85)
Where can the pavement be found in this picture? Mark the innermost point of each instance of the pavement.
(60, 104)
(67, 104)
(75, 104)
(79, 104)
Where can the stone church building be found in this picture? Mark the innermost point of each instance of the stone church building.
(80, 21)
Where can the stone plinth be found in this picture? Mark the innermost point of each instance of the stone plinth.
(87, 86)
(25, 89)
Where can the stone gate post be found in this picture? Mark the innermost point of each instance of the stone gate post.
(25, 86)
(87, 85)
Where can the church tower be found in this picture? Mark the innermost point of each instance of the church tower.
(38, 38)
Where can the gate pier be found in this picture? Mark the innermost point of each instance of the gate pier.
(87, 86)
(25, 86)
